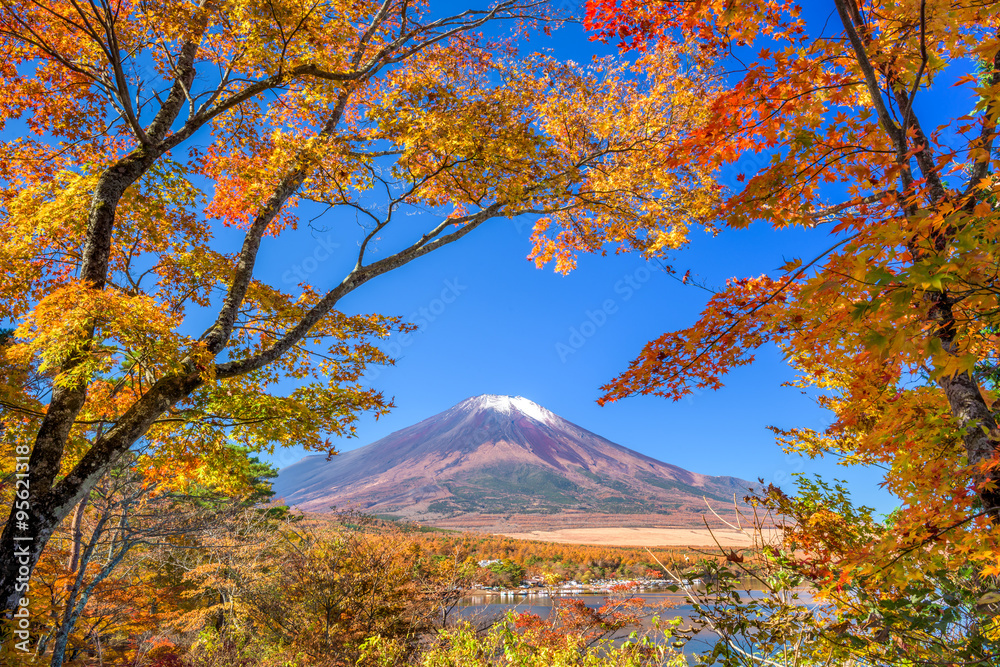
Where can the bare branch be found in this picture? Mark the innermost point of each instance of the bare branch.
(357, 277)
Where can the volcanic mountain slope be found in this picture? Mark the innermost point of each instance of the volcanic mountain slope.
(493, 455)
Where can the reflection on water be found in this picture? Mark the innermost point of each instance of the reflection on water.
(484, 609)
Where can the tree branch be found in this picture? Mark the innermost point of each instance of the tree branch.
(217, 337)
(357, 277)
(861, 55)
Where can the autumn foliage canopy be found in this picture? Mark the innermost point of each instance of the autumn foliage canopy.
(839, 125)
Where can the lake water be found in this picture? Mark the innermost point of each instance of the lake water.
(484, 608)
(481, 609)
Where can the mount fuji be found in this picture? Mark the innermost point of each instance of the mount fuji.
(491, 458)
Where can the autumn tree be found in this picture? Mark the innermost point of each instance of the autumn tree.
(895, 316)
(142, 138)
(318, 592)
(527, 643)
(100, 579)
(844, 127)
(444, 579)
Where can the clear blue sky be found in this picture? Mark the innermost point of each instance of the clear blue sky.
(508, 326)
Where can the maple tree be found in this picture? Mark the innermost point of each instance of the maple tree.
(142, 137)
(571, 620)
(104, 586)
(322, 593)
(766, 603)
(846, 126)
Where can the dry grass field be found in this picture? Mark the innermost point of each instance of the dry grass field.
(641, 537)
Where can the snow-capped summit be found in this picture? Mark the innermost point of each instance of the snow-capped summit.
(509, 405)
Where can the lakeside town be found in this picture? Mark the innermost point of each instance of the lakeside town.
(541, 586)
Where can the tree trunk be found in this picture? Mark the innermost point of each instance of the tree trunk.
(74, 556)
(21, 543)
(979, 433)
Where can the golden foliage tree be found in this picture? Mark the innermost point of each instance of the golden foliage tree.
(150, 128)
